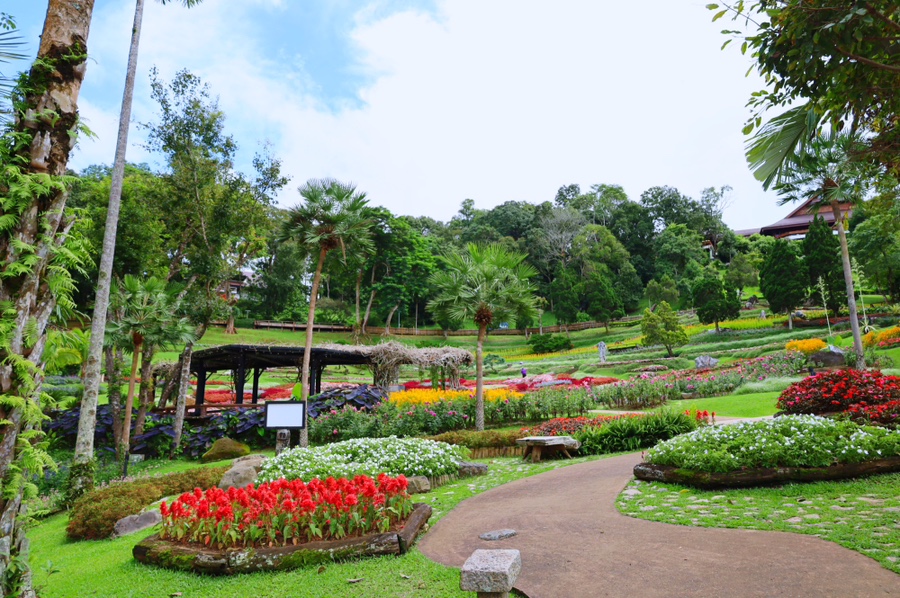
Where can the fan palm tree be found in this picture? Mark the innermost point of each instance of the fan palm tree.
(333, 215)
(487, 284)
(84, 444)
(148, 318)
(825, 171)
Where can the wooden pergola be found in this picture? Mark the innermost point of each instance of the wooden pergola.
(246, 359)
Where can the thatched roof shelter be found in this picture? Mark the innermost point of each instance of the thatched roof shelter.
(385, 359)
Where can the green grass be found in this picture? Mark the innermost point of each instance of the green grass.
(106, 567)
(858, 514)
(758, 404)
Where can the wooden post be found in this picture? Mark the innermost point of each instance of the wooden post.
(201, 389)
(256, 374)
(241, 379)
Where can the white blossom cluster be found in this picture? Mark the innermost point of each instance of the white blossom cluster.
(790, 441)
(364, 456)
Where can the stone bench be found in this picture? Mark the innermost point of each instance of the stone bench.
(491, 573)
(536, 446)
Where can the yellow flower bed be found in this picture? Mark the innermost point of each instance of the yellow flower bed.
(870, 339)
(888, 334)
(807, 346)
(420, 396)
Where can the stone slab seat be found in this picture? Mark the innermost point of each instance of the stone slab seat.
(536, 446)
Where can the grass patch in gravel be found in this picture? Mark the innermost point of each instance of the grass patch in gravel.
(106, 567)
(862, 515)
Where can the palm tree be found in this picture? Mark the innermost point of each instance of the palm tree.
(824, 170)
(148, 318)
(84, 444)
(486, 284)
(334, 215)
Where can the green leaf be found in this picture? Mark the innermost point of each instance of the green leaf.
(719, 15)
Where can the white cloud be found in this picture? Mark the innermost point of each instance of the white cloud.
(492, 100)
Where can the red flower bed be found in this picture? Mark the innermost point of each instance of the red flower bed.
(564, 426)
(219, 396)
(886, 413)
(278, 392)
(210, 382)
(891, 342)
(837, 391)
(282, 512)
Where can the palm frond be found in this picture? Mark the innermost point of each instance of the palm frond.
(779, 141)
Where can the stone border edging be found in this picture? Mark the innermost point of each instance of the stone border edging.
(763, 476)
(185, 557)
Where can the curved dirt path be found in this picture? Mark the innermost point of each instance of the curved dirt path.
(575, 543)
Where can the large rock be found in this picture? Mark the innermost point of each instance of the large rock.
(225, 448)
(135, 523)
(418, 484)
(705, 362)
(830, 357)
(238, 476)
(254, 461)
(493, 571)
(468, 470)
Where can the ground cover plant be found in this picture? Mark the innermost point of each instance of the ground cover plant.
(283, 512)
(789, 441)
(858, 514)
(840, 391)
(364, 456)
(634, 433)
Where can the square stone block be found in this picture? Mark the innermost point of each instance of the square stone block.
(491, 571)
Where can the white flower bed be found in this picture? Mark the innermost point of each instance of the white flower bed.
(364, 456)
(790, 441)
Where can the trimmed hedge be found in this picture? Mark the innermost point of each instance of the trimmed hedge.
(477, 440)
(95, 514)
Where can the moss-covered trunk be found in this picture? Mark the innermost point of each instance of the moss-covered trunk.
(46, 128)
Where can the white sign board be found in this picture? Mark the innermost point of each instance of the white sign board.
(289, 415)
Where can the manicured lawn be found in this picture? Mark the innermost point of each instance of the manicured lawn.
(858, 514)
(750, 405)
(106, 567)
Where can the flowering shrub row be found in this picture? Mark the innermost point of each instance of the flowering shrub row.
(789, 441)
(565, 426)
(776, 365)
(421, 396)
(364, 456)
(887, 414)
(837, 391)
(286, 512)
(807, 346)
(633, 433)
(648, 390)
(441, 416)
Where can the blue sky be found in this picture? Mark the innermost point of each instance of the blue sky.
(423, 104)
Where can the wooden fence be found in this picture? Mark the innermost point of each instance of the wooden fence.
(400, 331)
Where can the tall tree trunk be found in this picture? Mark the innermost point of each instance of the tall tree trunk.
(181, 402)
(87, 421)
(229, 325)
(129, 401)
(357, 327)
(851, 294)
(387, 328)
(47, 121)
(145, 393)
(479, 379)
(114, 358)
(310, 320)
(173, 379)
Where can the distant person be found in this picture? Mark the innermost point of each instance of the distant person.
(524, 372)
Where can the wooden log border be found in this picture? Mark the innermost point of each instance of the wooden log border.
(230, 561)
(763, 476)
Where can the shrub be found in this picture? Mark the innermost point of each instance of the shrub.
(549, 343)
(806, 346)
(634, 433)
(283, 512)
(835, 391)
(891, 334)
(364, 456)
(472, 439)
(887, 414)
(790, 441)
(566, 426)
(94, 515)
